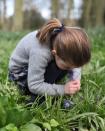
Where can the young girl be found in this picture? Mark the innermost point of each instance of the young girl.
(44, 56)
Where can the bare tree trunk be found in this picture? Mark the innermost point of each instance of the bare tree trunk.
(70, 4)
(86, 14)
(4, 14)
(18, 16)
(68, 20)
(0, 14)
(100, 8)
(3, 10)
(93, 13)
(55, 8)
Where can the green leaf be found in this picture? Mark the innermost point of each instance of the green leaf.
(83, 129)
(54, 123)
(3, 129)
(18, 116)
(11, 127)
(2, 115)
(47, 125)
(30, 127)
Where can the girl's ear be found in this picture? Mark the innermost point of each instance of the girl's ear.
(53, 52)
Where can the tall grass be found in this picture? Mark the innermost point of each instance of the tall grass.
(88, 111)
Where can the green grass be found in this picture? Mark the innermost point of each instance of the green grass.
(88, 113)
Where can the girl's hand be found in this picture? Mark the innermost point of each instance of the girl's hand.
(72, 87)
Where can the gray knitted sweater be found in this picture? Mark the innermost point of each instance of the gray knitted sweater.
(36, 56)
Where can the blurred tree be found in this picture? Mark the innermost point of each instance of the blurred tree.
(99, 12)
(61, 9)
(36, 19)
(0, 14)
(4, 15)
(69, 7)
(32, 19)
(86, 13)
(26, 14)
(3, 10)
(55, 7)
(93, 13)
(18, 16)
(70, 4)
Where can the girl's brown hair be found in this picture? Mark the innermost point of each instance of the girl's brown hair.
(71, 43)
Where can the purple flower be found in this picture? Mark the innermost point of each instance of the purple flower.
(68, 104)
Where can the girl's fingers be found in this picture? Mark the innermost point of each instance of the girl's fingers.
(72, 91)
(75, 86)
(76, 82)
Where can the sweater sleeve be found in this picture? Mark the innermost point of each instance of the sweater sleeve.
(75, 74)
(36, 69)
